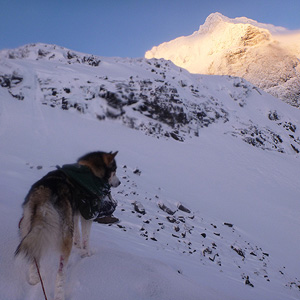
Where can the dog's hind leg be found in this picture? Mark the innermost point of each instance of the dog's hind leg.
(33, 276)
(85, 230)
(66, 244)
(59, 293)
(25, 225)
(77, 242)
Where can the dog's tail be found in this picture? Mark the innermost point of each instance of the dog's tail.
(39, 228)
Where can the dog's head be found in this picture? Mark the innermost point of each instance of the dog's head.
(103, 165)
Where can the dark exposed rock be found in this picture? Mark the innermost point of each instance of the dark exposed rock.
(139, 208)
(239, 251)
(137, 172)
(8, 81)
(247, 282)
(166, 209)
(273, 116)
(171, 219)
(183, 208)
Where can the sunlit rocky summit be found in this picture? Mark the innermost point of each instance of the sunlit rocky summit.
(266, 55)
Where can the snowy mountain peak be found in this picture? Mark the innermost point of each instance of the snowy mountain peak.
(212, 21)
(264, 54)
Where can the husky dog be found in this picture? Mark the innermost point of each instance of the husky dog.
(53, 207)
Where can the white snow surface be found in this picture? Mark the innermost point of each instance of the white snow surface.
(243, 199)
(264, 54)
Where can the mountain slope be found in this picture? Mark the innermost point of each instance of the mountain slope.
(210, 217)
(266, 55)
(149, 95)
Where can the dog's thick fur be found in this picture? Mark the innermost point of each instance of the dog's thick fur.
(51, 216)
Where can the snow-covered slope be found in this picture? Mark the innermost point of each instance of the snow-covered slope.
(204, 215)
(264, 54)
(149, 95)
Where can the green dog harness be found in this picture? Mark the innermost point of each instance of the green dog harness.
(90, 192)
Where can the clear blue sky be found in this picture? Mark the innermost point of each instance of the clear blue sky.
(126, 28)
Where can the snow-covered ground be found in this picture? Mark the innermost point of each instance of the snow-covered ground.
(237, 237)
(264, 54)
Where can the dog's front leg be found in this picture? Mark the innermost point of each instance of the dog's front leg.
(85, 230)
(77, 242)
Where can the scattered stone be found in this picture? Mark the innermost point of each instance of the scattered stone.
(213, 259)
(138, 207)
(171, 219)
(181, 219)
(238, 251)
(107, 220)
(206, 251)
(39, 167)
(183, 208)
(176, 228)
(203, 234)
(247, 282)
(228, 224)
(166, 209)
(137, 172)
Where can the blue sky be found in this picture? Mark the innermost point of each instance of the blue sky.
(126, 28)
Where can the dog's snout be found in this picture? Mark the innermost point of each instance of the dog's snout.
(114, 181)
(118, 182)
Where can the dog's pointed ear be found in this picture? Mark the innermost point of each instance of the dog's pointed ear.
(109, 157)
